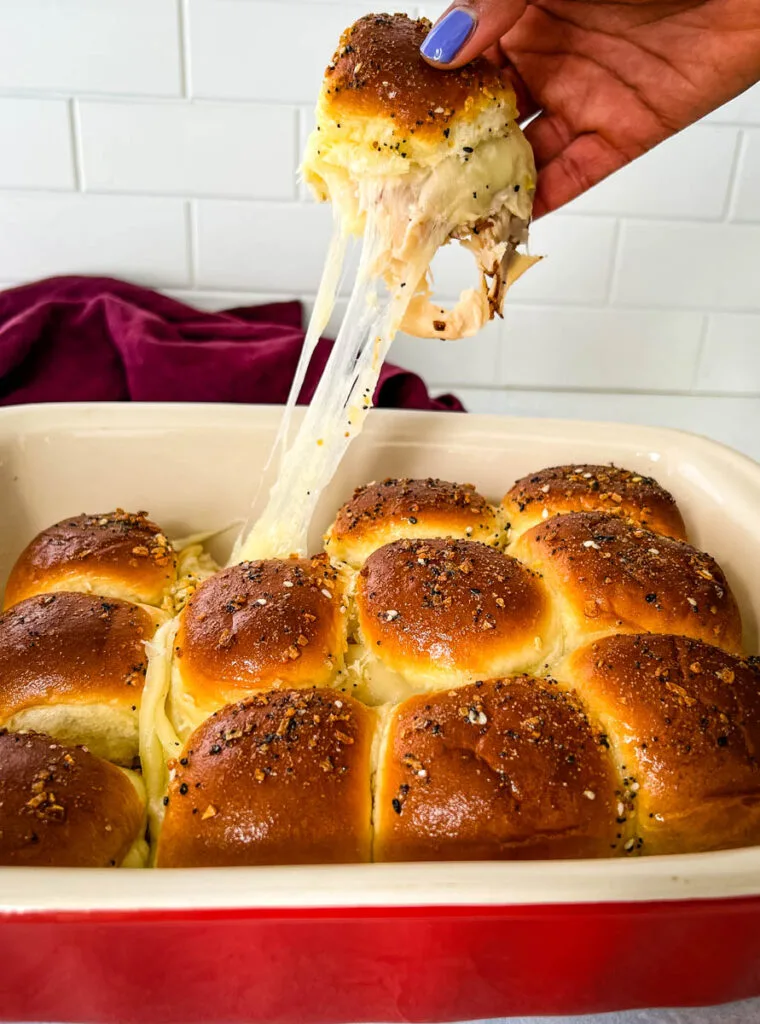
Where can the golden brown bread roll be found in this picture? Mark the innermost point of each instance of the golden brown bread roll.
(439, 152)
(73, 666)
(608, 574)
(506, 769)
(63, 807)
(389, 510)
(590, 488)
(683, 723)
(116, 554)
(280, 778)
(253, 626)
(440, 613)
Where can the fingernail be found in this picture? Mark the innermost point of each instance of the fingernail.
(446, 39)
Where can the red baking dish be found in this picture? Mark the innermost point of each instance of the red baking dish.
(377, 942)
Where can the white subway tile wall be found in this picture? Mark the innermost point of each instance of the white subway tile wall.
(158, 140)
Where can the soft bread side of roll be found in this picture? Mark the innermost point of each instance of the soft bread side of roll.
(683, 723)
(254, 626)
(73, 666)
(591, 488)
(445, 612)
(63, 807)
(608, 575)
(116, 554)
(506, 769)
(280, 778)
(391, 509)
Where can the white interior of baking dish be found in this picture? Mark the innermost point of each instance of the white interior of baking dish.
(198, 468)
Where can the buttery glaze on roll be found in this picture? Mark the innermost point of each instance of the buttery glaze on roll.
(253, 626)
(280, 778)
(506, 769)
(592, 488)
(610, 575)
(683, 723)
(438, 153)
(63, 807)
(441, 613)
(391, 509)
(116, 554)
(73, 666)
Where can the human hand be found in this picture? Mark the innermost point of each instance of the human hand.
(609, 79)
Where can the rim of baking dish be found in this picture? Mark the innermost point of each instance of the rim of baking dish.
(696, 876)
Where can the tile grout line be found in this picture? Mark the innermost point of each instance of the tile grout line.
(617, 243)
(183, 16)
(626, 392)
(534, 304)
(191, 228)
(729, 203)
(701, 344)
(297, 128)
(75, 134)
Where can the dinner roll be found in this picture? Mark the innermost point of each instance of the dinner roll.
(589, 488)
(611, 575)
(683, 723)
(116, 554)
(439, 152)
(253, 626)
(73, 666)
(280, 778)
(63, 807)
(506, 769)
(379, 513)
(440, 613)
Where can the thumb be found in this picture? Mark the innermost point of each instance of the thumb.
(468, 29)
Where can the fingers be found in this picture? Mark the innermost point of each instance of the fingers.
(468, 29)
(526, 105)
(583, 162)
(548, 136)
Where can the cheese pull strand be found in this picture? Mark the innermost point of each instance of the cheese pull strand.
(344, 396)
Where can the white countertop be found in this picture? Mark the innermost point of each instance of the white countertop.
(735, 1013)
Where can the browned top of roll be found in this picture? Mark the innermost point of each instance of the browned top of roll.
(258, 623)
(377, 70)
(72, 649)
(63, 807)
(614, 574)
(281, 778)
(684, 719)
(501, 769)
(124, 548)
(448, 604)
(589, 488)
(387, 510)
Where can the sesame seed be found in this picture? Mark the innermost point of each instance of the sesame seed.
(589, 794)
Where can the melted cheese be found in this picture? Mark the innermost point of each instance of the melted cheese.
(404, 219)
(158, 740)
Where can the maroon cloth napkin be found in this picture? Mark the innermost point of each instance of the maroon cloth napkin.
(84, 339)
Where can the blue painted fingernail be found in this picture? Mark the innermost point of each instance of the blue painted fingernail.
(446, 39)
